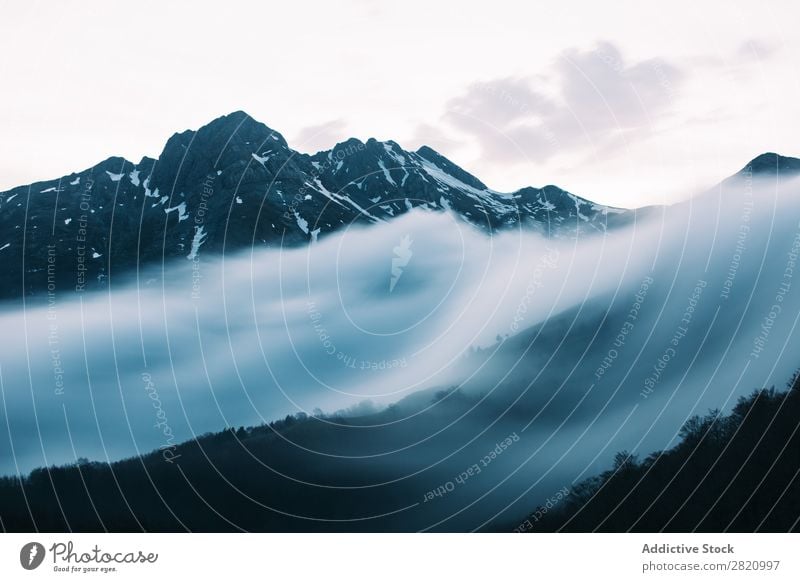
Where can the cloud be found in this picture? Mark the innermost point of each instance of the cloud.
(756, 49)
(588, 99)
(604, 92)
(500, 102)
(749, 52)
(319, 137)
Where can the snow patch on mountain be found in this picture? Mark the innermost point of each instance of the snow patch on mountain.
(399, 158)
(263, 158)
(197, 240)
(181, 208)
(301, 222)
(386, 173)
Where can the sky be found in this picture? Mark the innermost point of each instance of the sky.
(630, 104)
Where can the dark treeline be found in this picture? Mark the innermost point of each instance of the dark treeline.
(738, 472)
(302, 473)
(226, 481)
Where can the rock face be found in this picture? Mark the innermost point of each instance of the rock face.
(235, 183)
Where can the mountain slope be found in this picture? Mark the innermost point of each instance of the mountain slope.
(735, 472)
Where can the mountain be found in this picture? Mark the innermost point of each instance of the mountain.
(235, 183)
(772, 164)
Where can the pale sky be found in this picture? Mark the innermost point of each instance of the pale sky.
(626, 103)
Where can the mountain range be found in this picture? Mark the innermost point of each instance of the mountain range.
(235, 183)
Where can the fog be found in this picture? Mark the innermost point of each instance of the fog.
(582, 346)
(258, 335)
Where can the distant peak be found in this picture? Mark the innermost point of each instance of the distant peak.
(428, 153)
(226, 131)
(243, 125)
(115, 164)
(353, 141)
(771, 163)
(146, 161)
(344, 148)
(234, 117)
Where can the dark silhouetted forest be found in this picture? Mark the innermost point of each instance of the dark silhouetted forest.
(302, 473)
(738, 472)
(227, 481)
